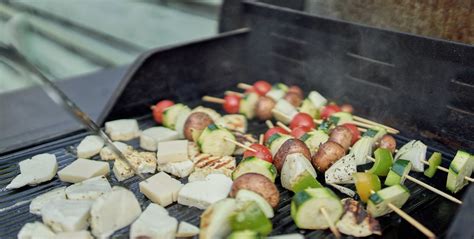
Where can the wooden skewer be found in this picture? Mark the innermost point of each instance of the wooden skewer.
(269, 124)
(244, 86)
(447, 171)
(229, 92)
(332, 227)
(152, 107)
(410, 220)
(429, 187)
(358, 118)
(260, 139)
(361, 129)
(240, 145)
(364, 125)
(213, 99)
(283, 126)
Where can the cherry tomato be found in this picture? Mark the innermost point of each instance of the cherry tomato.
(296, 89)
(328, 110)
(355, 132)
(262, 152)
(231, 104)
(273, 131)
(159, 108)
(300, 131)
(347, 108)
(262, 87)
(302, 119)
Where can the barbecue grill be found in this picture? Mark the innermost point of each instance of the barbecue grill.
(419, 85)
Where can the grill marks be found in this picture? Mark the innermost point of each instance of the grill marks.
(214, 162)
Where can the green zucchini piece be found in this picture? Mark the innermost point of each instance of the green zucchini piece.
(317, 99)
(314, 139)
(383, 162)
(181, 120)
(286, 111)
(212, 141)
(308, 108)
(247, 234)
(277, 142)
(306, 208)
(247, 195)
(249, 216)
(398, 172)
(278, 91)
(325, 126)
(377, 205)
(460, 167)
(434, 161)
(340, 118)
(247, 105)
(170, 115)
(255, 165)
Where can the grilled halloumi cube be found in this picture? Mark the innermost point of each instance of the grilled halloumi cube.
(74, 235)
(45, 198)
(38, 169)
(66, 215)
(208, 163)
(202, 194)
(122, 171)
(107, 154)
(178, 169)
(34, 230)
(187, 230)
(89, 146)
(82, 169)
(233, 122)
(89, 189)
(144, 162)
(154, 222)
(112, 211)
(122, 130)
(150, 137)
(161, 188)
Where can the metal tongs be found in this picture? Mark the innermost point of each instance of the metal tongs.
(59, 97)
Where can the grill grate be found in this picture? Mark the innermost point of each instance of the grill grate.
(14, 205)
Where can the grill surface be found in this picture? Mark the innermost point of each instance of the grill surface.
(433, 211)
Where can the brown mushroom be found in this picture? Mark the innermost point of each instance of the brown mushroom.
(289, 147)
(259, 184)
(327, 155)
(296, 89)
(341, 135)
(388, 142)
(293, 98)
(264, 107)
(195, 124)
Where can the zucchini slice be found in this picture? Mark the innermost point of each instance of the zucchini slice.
(377, 205)
(247, 195)
(287, 111)
(314, 139)
(460, 167)
(298, 174)
(398, 172)
(306, 208)
(434, 161)
(170, 115)
(249, 216)
(212, 141)
(276, 141)
(278, 91)
(317, 99)
(415, 151)
(308, 108)
(247, 105)
(340, 118)
(255, 165)
(181, 120)
(246, 234)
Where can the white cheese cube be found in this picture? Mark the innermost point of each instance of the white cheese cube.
(90, 146)
(35, 230)
(66, 215)
(122, 171)
(45, 198)
(88, 189)
(161, 189)
(286, 111)
(113, 211)
(154, 222)
(74, 235)
(82, 169)
(107, 154)
(150, 137)
(172, 151)
(38, 169)
(124, 129)
(202, 194)
(187, 230)
(144, 162)
(178, 169)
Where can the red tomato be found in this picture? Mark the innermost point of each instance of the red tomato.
(273, 131)
(159, 108)
(300, 131)
(262, 152)
(328, 110)
(302, 119)
(262, 87)
(231, 104)
(355, 132)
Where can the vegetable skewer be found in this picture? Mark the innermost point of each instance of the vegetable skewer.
(427, 186)
(411, 220)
